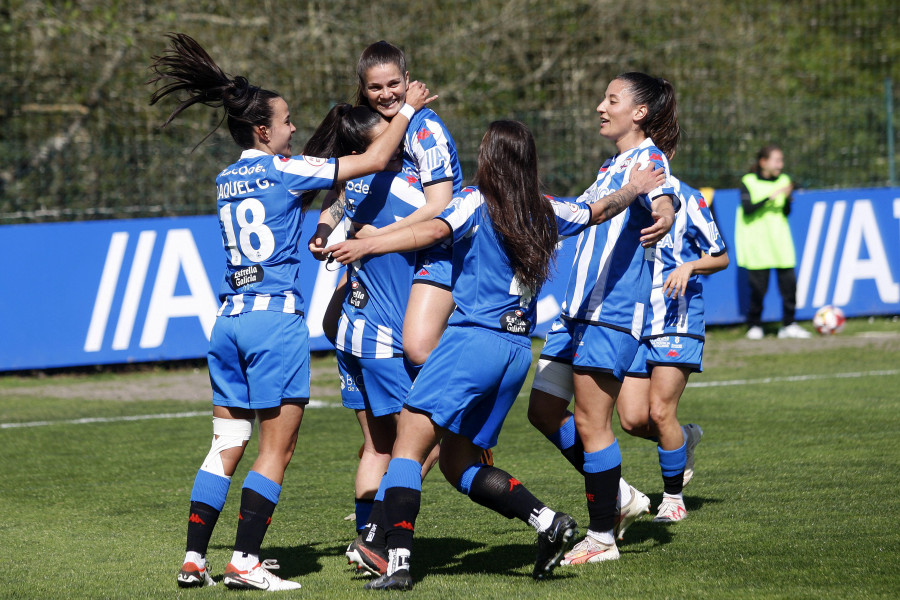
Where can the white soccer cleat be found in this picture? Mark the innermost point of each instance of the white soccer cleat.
(590, 550)
(257, 578)
(755, 333)
(670, 511)
(794, 331)
(692, 435)
(192, 575)
(628, 514)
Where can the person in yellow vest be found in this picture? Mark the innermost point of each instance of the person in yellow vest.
(763, 241)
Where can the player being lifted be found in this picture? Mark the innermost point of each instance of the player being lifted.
(504, 233)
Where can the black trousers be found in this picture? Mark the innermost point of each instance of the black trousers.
(758, 279)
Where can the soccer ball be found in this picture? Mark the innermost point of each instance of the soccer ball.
(829, 320)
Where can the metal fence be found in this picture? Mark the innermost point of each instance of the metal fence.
(78, 139)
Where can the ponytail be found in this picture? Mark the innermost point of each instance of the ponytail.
(186, 66)
(661, 123)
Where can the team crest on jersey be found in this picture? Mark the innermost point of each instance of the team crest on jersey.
(625, 164)
(358, 296)
(247, 276)
(514, 321)
(315, 160)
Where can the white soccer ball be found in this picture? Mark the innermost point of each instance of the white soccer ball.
(829, 320)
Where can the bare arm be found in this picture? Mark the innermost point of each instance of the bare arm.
(379, 153)
(642, 181)
(676, 282)
(330, 216)
(437, 197)
(413, 237)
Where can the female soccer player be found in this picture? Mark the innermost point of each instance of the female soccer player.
(671, 349)
(375, 379)
(504, 234)
(429, 155)
(259, 350)
(608, 292)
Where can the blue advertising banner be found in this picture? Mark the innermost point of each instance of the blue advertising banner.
(106, 292)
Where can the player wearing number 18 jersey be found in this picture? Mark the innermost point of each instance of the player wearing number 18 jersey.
(259, 352)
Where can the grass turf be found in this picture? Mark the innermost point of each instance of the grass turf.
(795, 493)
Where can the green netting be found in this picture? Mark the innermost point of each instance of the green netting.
(78, 139)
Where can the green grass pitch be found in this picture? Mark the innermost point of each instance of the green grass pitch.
(796, 492)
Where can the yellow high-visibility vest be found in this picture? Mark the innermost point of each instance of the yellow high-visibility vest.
(763, 239)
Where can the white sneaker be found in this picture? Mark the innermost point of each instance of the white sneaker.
(692, 435)
(628, 514)
(670, 510)
(794, 331)
(755, 333)
(590, 550)
(257, 578)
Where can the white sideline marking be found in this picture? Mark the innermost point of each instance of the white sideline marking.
(181, 415)
(700, 384)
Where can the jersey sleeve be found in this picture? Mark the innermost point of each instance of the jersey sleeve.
(306, 172)
(703, 229)
(429, 145)
(571, 217)
(657, 159)
(460, 214)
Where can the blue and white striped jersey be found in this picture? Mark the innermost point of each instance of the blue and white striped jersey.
(259, 206)
(693, 233)
(430, 152)
(371, 323)
(485, 289)
(611, 275)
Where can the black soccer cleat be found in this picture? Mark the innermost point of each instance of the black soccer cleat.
(398, 580)
(367, 557)
(553, 544)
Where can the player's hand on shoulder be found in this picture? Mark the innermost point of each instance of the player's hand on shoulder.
(417, 95)
(648, 177)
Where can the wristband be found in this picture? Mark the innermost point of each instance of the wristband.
(407, 111)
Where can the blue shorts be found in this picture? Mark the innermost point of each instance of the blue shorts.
(434, 266)
(470, 381)
(603, 349)
(378, 384)
(558, 342)
(259, 359)
(670, 351)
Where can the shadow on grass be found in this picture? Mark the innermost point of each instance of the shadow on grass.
(644, 530)
(293, 561)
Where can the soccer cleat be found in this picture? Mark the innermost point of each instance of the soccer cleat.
(692, 434)
(192, 575)
(590, 550)
(367, 557)
(755, 333)
(553, 544)
(794, 331)
(628, 514)
(257, 578)
(670, 510)
(398, 580)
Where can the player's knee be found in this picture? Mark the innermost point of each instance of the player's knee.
(417, 350)
(227, 434)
